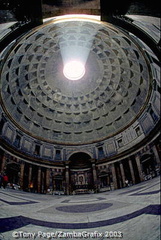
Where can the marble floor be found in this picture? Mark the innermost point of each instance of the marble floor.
(131, 213)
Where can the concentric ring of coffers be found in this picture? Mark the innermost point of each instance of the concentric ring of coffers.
(105, 100)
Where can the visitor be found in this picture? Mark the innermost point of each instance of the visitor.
(5, 181)
(126, 183)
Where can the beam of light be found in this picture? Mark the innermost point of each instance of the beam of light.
(74, 61)
(74, 49)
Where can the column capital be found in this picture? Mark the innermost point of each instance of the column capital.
(93, 160)
(66, 163)
(21, 161)
(66, 166)
(137, 155)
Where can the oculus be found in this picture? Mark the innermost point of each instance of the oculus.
(74, 70)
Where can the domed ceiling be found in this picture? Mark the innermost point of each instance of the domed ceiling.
(42, 102)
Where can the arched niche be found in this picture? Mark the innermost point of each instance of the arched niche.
(80, 160)
(81, 176)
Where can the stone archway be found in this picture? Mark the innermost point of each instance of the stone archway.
(81, 177)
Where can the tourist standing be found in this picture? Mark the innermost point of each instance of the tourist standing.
(5, 181)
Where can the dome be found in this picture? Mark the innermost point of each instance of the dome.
(80, 116)
(110, 95)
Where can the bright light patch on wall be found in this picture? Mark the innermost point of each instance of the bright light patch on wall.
(74, 70)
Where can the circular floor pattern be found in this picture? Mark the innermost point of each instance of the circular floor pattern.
(84, 208)
(45, 104)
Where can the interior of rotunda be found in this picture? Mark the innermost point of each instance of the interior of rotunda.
(80, 95)
(80, 141)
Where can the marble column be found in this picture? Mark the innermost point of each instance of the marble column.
(42, 181)
(22, 167)
(157, 158)
(114, 176)
(122, 173)
(94, 173)
(67, 179)
(3, 163)
(137, 159)
(30, 174)
(39, 180)
(108, 180)
(54, 185)
(47, 179)
(132, 171)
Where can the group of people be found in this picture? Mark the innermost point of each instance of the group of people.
(3, 180)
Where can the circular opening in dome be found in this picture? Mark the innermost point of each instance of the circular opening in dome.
(74, 70)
